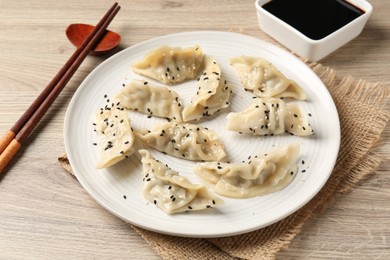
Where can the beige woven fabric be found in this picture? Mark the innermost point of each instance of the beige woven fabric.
(363, 112)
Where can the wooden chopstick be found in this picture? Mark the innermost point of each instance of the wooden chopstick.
(14, 138)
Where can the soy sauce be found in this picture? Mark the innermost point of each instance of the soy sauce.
(314, 18)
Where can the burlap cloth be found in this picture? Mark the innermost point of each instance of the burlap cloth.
(363, 112)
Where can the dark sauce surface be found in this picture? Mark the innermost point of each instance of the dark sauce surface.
(314, 18)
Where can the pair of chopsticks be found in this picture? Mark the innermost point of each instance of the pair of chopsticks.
(13, 139)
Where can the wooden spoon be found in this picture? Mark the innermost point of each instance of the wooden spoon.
(77, 33)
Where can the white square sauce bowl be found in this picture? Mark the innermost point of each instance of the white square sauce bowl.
(313, 28)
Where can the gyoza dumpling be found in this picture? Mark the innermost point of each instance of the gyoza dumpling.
(212, 94)
(169, 191)
(264, 79)
(259, 175)
(270, 116)
(150, 99)
(185, 141)
(170, 65)
(115, 136)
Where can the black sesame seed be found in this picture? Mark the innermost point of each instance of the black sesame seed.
(303, 170)
(189, 207)
(124, 196)
(155, 202)
(292, 173)
(94, 143)
(295, 115)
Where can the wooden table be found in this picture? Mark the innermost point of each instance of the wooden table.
(44, 212)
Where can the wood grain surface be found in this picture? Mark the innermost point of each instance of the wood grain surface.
(46, 214)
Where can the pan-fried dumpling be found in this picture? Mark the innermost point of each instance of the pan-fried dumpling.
(171, 192)
(150, 99)
(115, 136)
(264, 79)
(212, 94)
(259, 175)
(270, 116)
(185, 141)
(170, 65)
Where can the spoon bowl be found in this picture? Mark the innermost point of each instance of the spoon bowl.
(77, 33)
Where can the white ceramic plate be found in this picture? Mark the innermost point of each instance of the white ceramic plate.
(109, 186)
